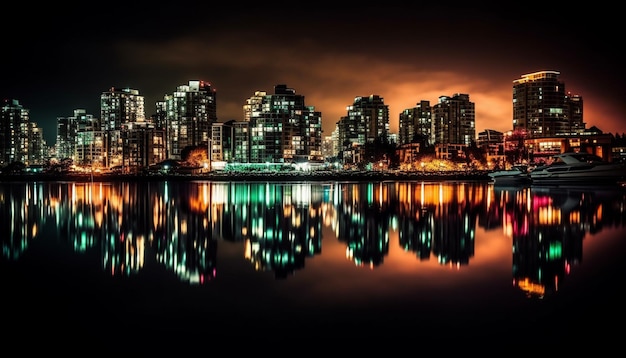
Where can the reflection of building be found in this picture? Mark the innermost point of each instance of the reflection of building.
(230, 212)
(433, 219)
(543, 256)
(280, 224)
(186, 245)
(364, 225)
(285, 227)
(23, 217)
(454, 229)
(416, 234)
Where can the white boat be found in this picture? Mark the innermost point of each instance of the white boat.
(516, 175)
(579, 168)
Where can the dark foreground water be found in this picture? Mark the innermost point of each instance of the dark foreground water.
(297, 268)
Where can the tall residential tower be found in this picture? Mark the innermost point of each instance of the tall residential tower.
(189, 115)
(366, 122)
(282, 128)
(454, 120)
(542, 107)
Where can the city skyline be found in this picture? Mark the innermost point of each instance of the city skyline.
(403, 53)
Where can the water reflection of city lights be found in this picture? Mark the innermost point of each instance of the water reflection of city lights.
(282, 224)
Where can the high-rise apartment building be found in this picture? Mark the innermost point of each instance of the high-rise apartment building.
(75, 137)
(282, 128)
(574, 105)
(221, 139)
(119, 107)
(189, 115)
(367, 121)
(14, 133)
(66, 135)
(241, 142)
(454, 120)
(542, 107)
(142, 146)
(37, 148)
(416, 124)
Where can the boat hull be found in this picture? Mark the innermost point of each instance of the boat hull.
(514, 176)
(519, 179)
(593, 175)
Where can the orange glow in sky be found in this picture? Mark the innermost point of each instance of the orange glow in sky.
(403, 53)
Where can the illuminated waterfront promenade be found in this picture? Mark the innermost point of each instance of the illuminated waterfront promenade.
(320, 175)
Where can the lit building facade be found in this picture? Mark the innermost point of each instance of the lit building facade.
(454, 120)
(574, 104)
(492, 143)
(241, 142)
(142, 146)
(282, 128)
(542, 107)
(37, 148)
(66, 136)
(221, 138)
(416, 124)
(491, 140)
(118, 107)
(367, 120)
(328, 146)
(189, 115)
(14, 133)
(76, 138)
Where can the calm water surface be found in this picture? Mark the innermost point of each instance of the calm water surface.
(147, 267)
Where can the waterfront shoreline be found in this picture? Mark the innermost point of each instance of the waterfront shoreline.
(314, 176)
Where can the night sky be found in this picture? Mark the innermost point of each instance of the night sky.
(330, 54)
